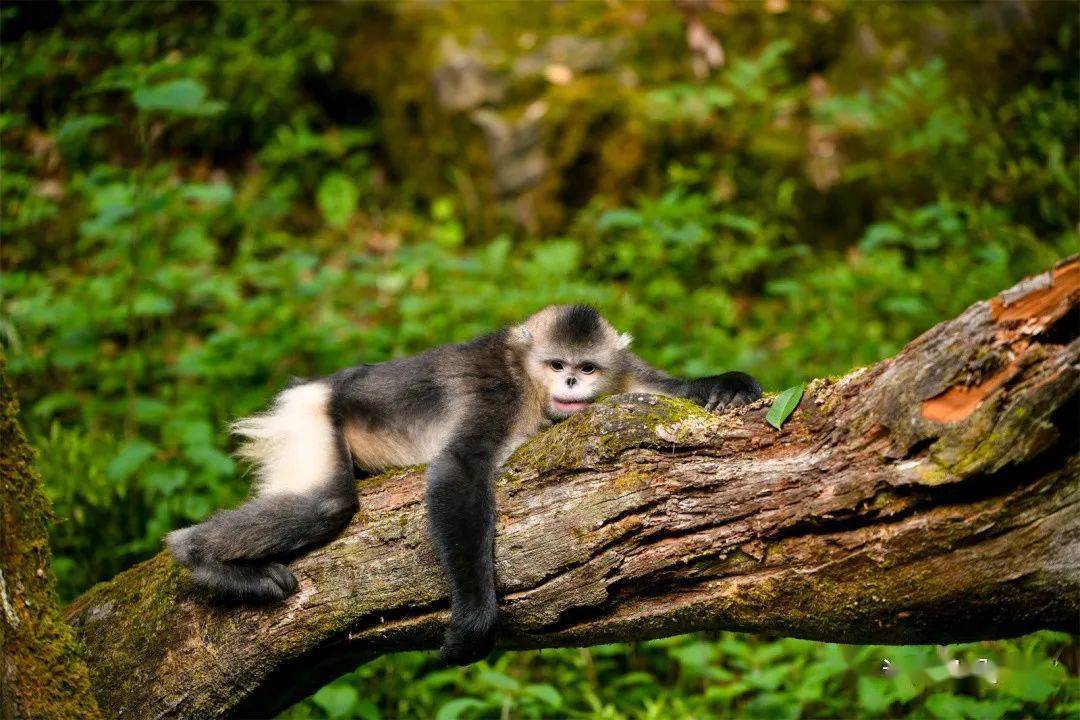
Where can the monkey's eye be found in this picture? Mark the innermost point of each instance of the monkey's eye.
(588, 368)
(556, 365)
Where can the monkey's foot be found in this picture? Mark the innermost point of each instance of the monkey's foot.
(470, 639)
(282, 582)
(269, 582)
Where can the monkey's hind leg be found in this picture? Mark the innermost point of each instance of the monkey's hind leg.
(306, 495)
(235, 552)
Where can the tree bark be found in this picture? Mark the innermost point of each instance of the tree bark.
(932, 497)
(42, 676)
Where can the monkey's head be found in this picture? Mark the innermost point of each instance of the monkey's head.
(574, 354)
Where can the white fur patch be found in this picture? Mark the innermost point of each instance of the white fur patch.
(291, 445)
(624, 340)
(521, 335)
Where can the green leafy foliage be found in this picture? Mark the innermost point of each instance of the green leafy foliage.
(721, 675)
(200, 200)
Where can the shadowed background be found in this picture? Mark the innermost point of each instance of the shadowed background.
(200, 200)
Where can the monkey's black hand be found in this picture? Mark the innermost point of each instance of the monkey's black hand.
(470, 636)
(728, 390)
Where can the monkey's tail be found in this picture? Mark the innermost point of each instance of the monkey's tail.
(292, 445)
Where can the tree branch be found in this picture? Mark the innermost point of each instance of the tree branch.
(932, 497)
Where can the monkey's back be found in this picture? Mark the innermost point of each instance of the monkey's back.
(404, 411)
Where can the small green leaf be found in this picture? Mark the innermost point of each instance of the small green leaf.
(456, 707)
(133, 454)
(166, 480)
(210, 193)
(695, 656)
(620, 218)
(180, 97)
(499, 680)
(211, 459)
(1034, 685)
(545, 693)
(442, 209)
(149, 304)
(78, 127)
(874, 695)
(195, 507)
(53, 403)
(337, 700)
(337, 198)
(740, 223)
(784, 404)
(365, 709)
(768, 679)
(107, 218)
(946, 706)
(881, 235)
(150, 410)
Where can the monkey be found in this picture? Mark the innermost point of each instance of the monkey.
(461, 409)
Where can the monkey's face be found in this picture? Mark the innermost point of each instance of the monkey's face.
(572, 381)
(574, 355)
(574, 375)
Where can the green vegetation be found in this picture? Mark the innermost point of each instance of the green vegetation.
(722, 675)
(200, 200)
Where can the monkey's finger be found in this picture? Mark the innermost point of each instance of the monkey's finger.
(724, 400)
(710, 404)
(742, 398)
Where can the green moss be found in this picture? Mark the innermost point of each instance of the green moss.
(740, 563)
(609, 428)
(40, 653)
(630, 480)
(559, 446)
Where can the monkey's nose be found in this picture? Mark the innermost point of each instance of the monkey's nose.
(571, 381)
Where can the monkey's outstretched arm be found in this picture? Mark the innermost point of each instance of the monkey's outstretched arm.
(461, 521)
(714, 392)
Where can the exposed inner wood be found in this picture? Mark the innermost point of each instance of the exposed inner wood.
(960, 401)
(1045, 302)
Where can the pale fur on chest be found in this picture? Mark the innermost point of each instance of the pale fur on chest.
(375, 448)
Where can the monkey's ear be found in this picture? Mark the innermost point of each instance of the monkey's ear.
(624, 340)
(522, 336)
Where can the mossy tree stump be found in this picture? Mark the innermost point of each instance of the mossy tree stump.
(41, 674)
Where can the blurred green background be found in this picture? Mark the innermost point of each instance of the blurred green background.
(202, 199)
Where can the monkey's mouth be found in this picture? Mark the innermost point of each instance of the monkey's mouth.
(567, 406)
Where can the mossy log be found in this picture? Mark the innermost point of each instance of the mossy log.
(42, 676)
(932, 497)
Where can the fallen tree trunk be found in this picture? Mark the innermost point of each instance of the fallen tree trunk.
(930, 498)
